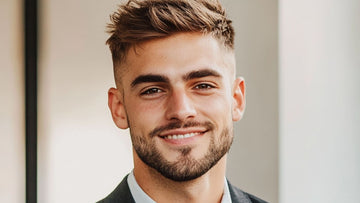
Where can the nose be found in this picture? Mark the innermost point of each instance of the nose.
(180, 106)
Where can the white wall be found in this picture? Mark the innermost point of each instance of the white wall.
(253, 158)
(82, 155)
(319, 101)
(12, 132)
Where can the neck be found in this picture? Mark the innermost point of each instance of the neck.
(207, 188)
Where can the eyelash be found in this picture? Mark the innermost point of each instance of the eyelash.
(151, 91)
(201, 86)
(155, 90)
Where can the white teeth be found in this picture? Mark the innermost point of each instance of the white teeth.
(189, 135)
(176, 137)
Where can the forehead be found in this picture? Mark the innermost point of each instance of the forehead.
(178, 54)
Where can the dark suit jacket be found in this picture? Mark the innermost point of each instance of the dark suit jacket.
(122, 194)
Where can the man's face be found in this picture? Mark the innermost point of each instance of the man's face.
(179, 98)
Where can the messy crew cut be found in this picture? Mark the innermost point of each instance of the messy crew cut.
(141, 20)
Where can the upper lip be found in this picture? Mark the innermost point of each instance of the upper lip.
(183, 131)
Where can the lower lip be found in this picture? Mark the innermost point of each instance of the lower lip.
(183, 141)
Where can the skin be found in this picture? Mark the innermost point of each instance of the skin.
(184, 78)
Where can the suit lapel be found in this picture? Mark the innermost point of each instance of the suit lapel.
(238, 196)
(120, 194)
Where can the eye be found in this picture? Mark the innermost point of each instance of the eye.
(151, 91)
(204, 86)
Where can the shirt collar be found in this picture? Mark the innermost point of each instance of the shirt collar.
(140, 196)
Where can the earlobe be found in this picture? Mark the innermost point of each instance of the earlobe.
(116, 106)
(238, 99)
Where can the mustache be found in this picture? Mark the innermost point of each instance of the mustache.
(179, 124)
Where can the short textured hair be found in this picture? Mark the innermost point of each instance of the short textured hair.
(141, 20)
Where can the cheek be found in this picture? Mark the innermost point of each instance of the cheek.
(216, 107)
(144, 115)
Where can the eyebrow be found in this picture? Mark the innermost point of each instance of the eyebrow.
(160, 78)
(149, 78)
(200, 74)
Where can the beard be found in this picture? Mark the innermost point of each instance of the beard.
(186, 167)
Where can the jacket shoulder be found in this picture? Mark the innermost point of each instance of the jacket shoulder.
(239, 196)
(120, 194)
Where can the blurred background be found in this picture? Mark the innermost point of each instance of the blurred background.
(299, 140)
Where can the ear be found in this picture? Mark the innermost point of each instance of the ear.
(238, 99)
(116, 106)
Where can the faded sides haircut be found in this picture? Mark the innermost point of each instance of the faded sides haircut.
(138, 21)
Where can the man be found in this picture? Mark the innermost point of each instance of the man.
(174, 69)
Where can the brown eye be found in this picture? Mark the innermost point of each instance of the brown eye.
(204, 86)
(151, 91)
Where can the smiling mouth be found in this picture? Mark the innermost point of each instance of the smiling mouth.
(181, 136)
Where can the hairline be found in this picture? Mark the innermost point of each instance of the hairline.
(120, 67)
